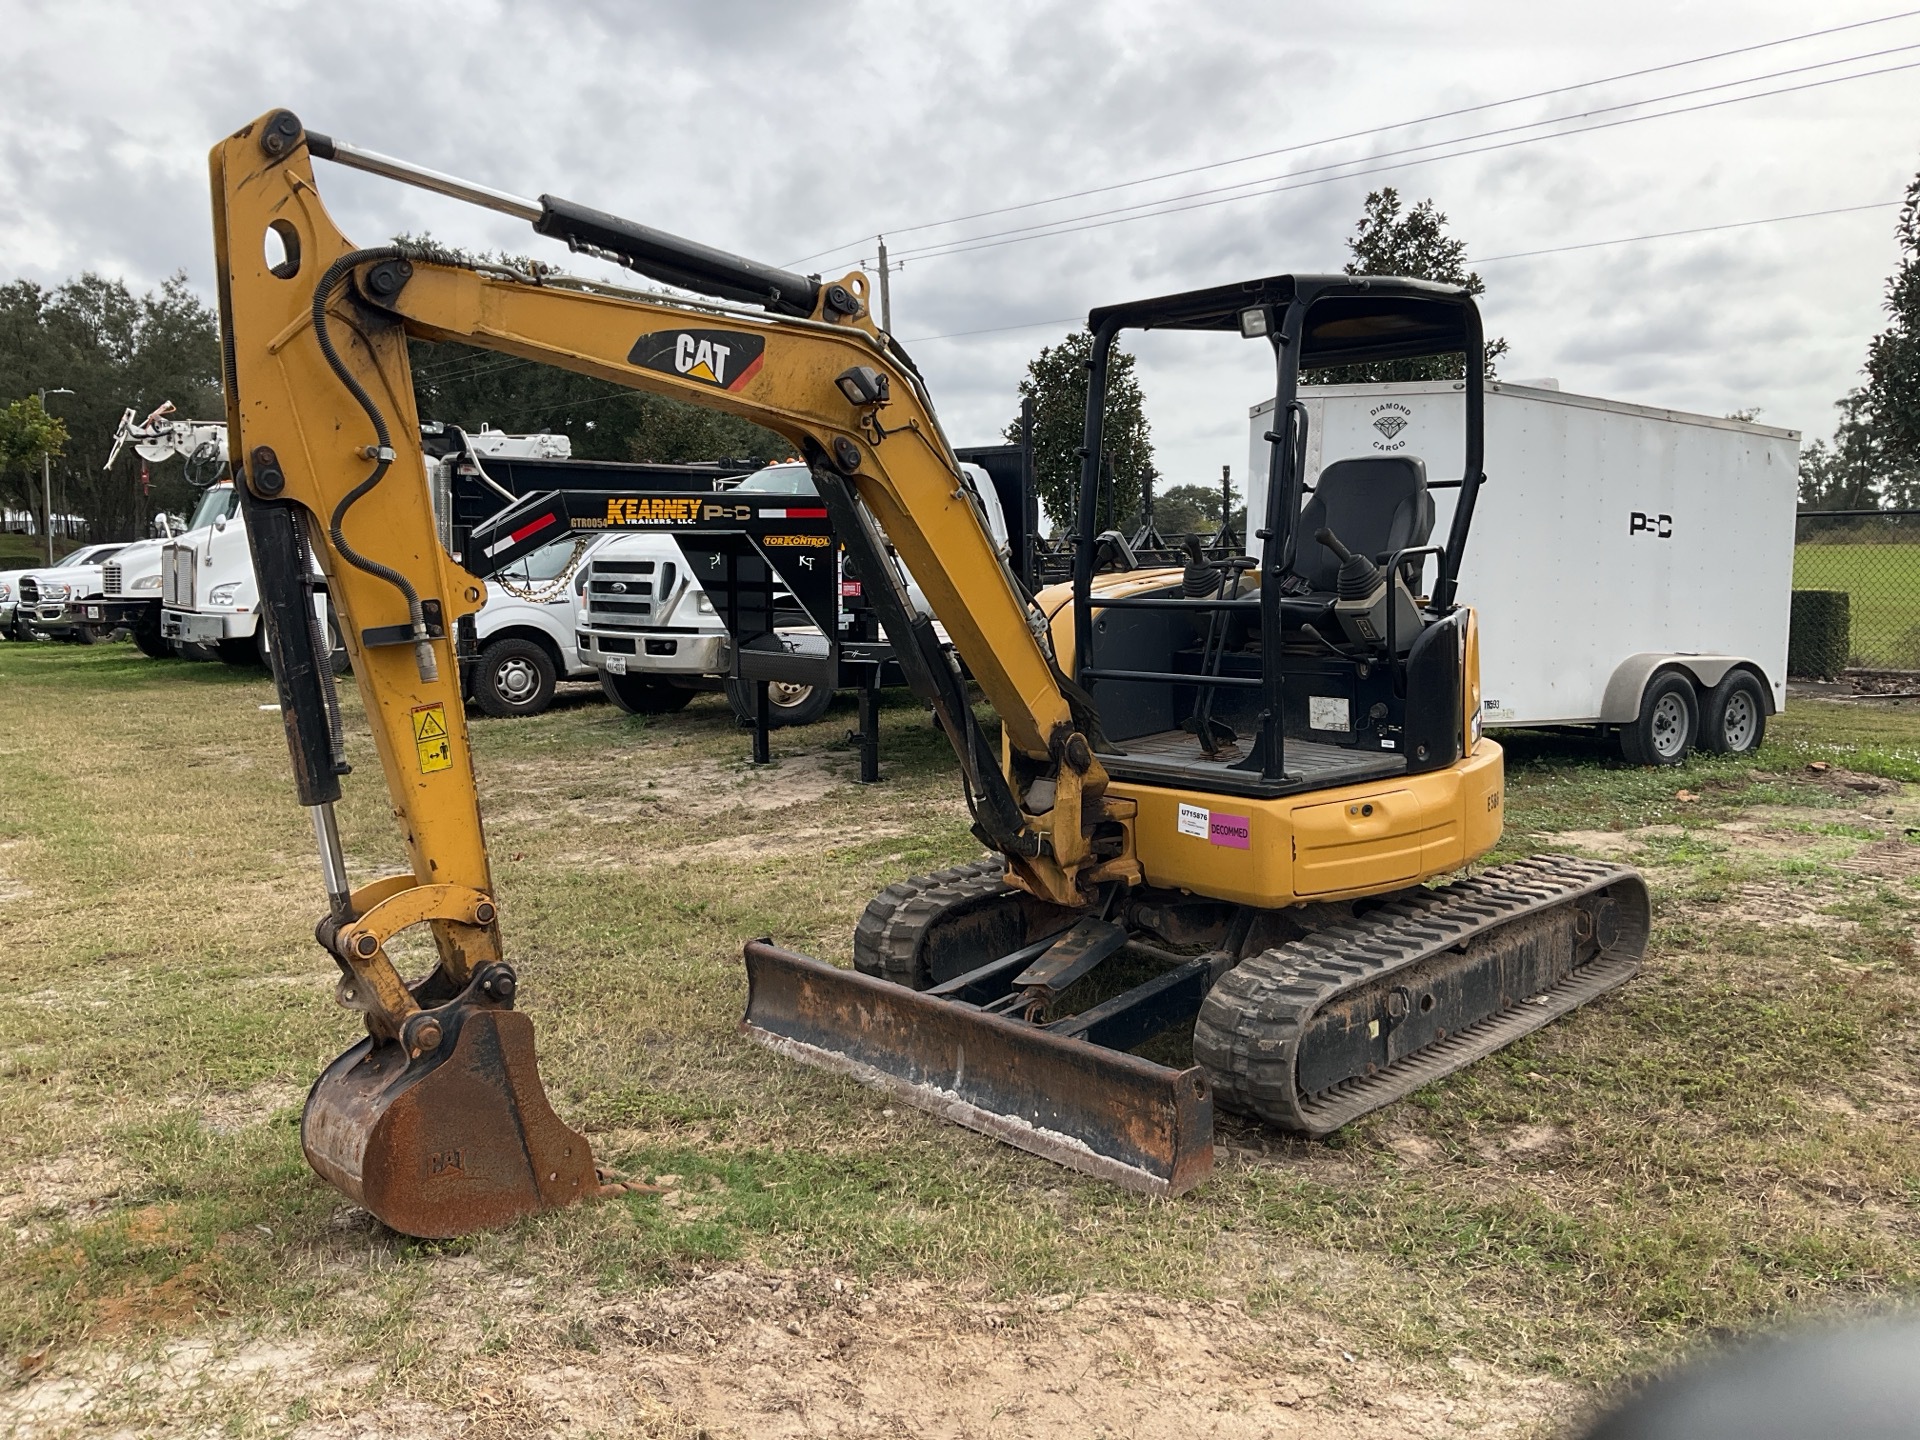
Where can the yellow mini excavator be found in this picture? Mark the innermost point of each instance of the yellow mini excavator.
(1217, 796)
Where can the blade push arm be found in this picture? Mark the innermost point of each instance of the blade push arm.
(319, 387)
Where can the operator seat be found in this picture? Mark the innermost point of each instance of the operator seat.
(1376, 504)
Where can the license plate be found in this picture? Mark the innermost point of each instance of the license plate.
(616, 664)
(93, 612)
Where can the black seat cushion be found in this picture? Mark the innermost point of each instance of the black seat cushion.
(1376, 504)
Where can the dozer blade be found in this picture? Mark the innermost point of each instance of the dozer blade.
(1101, 1111)
(458, 1140)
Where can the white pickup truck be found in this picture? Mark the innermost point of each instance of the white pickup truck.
(52, 599)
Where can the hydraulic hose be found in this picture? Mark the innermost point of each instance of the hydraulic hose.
(381, 454)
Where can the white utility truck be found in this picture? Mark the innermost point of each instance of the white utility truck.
(1632, 567)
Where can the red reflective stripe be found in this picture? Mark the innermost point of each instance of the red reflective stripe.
(541, 524)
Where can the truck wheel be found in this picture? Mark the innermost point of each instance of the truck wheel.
(241, 652)
(1668, 722)
(787, 704)
(148, 639)
(82, 635)
(638, 695)
(513, 677)
(1734, 719)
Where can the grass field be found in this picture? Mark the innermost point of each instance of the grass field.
(1883, 583)
(1729, 1141)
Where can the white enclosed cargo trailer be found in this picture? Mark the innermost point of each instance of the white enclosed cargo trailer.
(1632, 567)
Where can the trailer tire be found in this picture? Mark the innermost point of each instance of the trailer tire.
(513, 677)
(1667, 725)
(637, 695)
(787, 704)
(1734, 719)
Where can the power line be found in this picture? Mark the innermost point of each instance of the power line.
(963, 247)
(1489, 260)
(1696, 230)
(939, 247)
(1372, 130)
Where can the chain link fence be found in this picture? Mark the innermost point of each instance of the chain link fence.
(1873, 558)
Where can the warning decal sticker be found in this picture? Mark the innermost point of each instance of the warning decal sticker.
(430, 740)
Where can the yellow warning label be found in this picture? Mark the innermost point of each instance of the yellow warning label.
(430, 740)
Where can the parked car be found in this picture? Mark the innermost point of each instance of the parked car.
(53, 599)
(524, 634)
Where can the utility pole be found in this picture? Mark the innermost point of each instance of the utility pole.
(46, 470)
(886, 294)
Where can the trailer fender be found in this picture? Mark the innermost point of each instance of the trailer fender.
(1628, 683)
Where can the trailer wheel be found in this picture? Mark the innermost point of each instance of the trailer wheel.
(786, 704)
(637, 695)
(1668, 722)
(1734, 719)
(513, 677)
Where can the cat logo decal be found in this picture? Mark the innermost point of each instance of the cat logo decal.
(724, 359)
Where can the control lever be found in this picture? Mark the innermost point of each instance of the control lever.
(1362, 594)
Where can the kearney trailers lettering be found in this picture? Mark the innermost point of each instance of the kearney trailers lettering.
(624, 511)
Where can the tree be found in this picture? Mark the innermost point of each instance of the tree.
(1413, 243)
(464, 386)
(1893, 358)
(29, 437)
(1056, 383)
(1858, 471)
(1193, 510)
(114, 349)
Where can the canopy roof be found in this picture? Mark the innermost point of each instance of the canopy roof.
(1350, 318)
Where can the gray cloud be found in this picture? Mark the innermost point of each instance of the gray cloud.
(776, 129)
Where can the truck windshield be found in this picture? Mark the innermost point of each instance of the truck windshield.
(778, 480)
(220, 501)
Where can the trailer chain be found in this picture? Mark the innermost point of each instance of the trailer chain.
(1251, 1025)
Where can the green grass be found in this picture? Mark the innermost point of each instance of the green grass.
(1883, 586)
(1727, 1141)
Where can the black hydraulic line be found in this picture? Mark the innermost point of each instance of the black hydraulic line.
(382, 457)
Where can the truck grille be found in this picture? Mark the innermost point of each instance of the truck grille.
(29, 590)
(110, 578)
(176, 577)
(622, 594)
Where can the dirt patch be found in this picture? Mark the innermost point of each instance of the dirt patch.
(698, 787)
(811, 839)
(77, 1184)
(230, 1112)
(757, 1354)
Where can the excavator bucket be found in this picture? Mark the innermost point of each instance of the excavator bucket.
(456, 1140)
(1102, 1111)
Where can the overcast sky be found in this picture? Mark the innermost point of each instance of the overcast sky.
(781, 129)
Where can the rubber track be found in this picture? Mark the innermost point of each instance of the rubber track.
(886, 942)
(1249, 1029)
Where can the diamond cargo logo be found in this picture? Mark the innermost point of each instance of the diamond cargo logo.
(724, 359)
(1390, 419)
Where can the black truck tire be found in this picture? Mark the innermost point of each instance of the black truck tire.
(1667, 725)
(513, 677)
(147, 637)
(641, 695)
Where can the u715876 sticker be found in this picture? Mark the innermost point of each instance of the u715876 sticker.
(1216, 827)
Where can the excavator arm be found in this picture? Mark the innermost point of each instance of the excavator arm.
(437, 1121)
